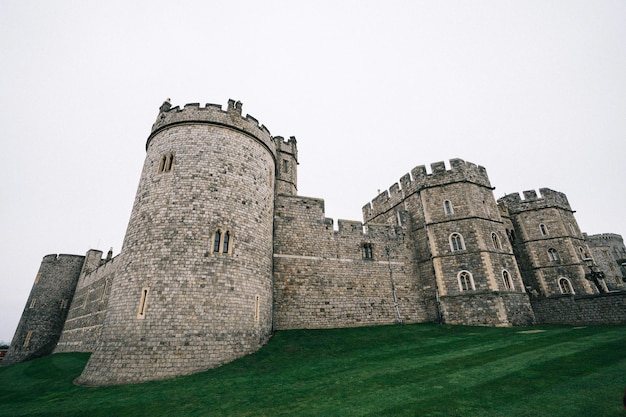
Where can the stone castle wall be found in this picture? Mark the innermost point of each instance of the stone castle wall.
(322, 280)
(220, 251)
(581, 310)
(86, 313)
(477, 309)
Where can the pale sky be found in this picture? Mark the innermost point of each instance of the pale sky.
(535, 91)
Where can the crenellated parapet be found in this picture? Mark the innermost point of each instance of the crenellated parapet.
(287, 145)
(532, 201)
(604, 236)
(419, 179)
(212, 114)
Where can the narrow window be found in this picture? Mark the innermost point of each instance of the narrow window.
(216, 241)
(543, 229)
(63, 304)
(447, 207)
(37, 278)
(565, 286)
(226, 242)
(166, 162)
(256, 308)
(162, 164)
(511, 235)
(466, 281)
(456, 242)
(33, 302)
(552, 254)
(496, 241)
(285, 166)
(143, 301)
(508, 284)
(105, 290)
(367, 251)
(28, 336)
(571, 227)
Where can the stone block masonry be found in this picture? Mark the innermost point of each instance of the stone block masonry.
(220, 251)
(582, 310)
(88, 307)
(45, 312)
(194, 287)
(323, 278)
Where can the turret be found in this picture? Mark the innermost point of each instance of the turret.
(550, 247)
(194, 287)
(287, 169)
(42, 321)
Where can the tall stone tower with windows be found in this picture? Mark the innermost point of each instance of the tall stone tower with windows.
(459, 244)
(194, 283)
(550, 247)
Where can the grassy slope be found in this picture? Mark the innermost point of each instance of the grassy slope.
(421, 370)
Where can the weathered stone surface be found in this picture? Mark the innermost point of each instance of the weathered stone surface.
(220, 251)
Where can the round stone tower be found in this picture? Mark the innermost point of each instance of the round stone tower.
(194, 287)
(46, 309)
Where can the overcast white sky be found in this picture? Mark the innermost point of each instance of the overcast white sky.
(535, 91)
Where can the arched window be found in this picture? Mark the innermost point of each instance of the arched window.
(447, 207)
(217, 241)
(506, 278)
(553, 255)
(466, 281)
(169, 160)
(456, 242)
(166, 162)
(496, 241)
(571, 227)
(226, 242)
(162, 164)
(565, 286)
(543, 229)
(222, 242)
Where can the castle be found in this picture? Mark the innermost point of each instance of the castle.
(220, 251)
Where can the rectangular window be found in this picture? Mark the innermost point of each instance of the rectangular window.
(28, 336)
(256, 308)
(33, 302)
(285, 166)
(141, 312)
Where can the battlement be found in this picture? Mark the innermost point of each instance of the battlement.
(603, 236)
(287, 146)
(60, 257)
(532, 201)
(419, 179)
(211, 114)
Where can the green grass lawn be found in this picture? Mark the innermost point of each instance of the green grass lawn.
(410, 370)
